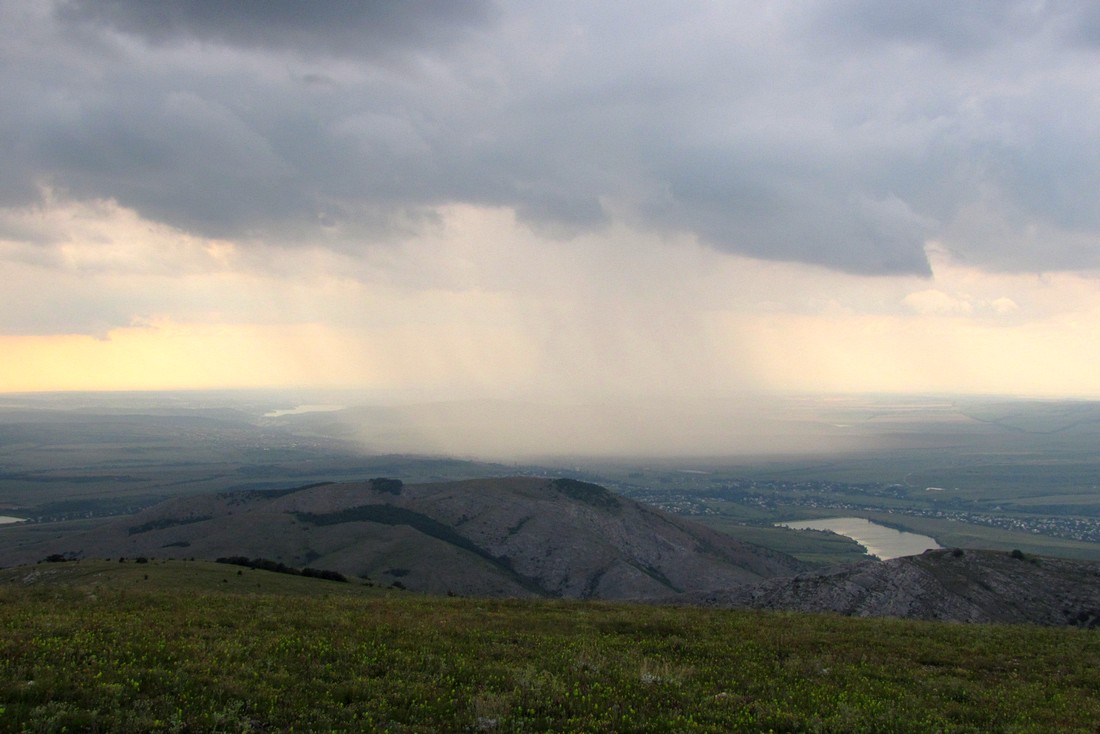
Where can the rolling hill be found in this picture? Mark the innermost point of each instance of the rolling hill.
(517, 536)
(562, 538)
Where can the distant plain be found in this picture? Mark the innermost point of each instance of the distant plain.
(969, 472)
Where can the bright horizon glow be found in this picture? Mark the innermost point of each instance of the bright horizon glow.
(511, 201)
(730, 324)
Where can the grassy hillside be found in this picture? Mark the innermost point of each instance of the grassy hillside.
(174, 576)
(182, 646)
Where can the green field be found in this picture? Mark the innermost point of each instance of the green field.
(181, 646)
(811, 546)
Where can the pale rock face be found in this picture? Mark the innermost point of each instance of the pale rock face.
(951, 585)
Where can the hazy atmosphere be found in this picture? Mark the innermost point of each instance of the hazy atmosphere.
(580, 365)
(561, 201)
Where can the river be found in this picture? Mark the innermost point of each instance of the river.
(304, 409)
(879, 540)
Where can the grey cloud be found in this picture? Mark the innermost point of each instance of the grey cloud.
(177, 157)
(799, 220)
(801, 136)
(562, 218)
(333, 27)
(953, 27)
(1083, 23)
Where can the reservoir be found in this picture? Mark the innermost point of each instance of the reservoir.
(879, 540)
(5, 520)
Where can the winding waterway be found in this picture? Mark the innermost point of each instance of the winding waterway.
(879, 540)
(298, 410)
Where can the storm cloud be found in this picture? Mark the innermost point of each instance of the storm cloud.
(847, 135)
(337, 28)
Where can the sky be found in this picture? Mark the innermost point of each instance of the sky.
(566, 201)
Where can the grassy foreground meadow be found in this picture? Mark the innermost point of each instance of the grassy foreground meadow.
(192, 647)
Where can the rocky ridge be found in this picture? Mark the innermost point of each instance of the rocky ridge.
(945, 584)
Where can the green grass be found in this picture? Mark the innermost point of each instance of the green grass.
(100, 647)
(191, 577)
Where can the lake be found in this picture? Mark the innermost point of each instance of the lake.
(879, 540)
(5, 520)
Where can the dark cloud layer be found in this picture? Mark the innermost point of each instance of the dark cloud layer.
(843, 134)
(334, 27)
(964, 28)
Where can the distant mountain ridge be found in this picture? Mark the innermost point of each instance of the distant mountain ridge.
(518, 536)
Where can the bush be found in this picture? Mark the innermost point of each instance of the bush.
(320, 573)
(266, 564)
(587, 492)
(389, 486)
